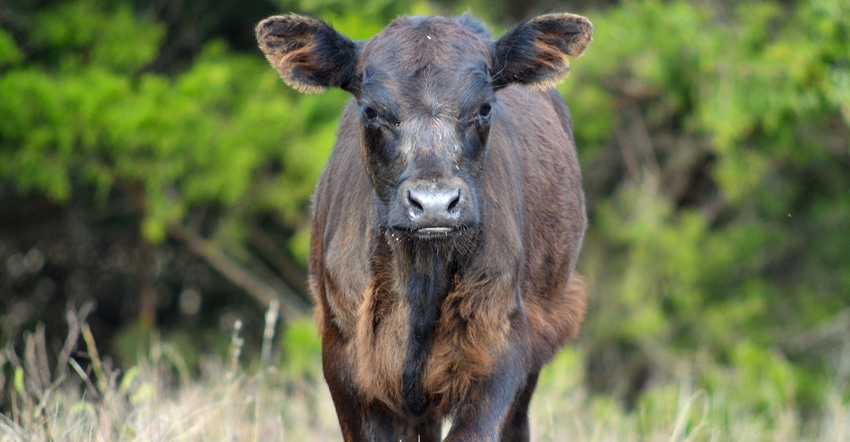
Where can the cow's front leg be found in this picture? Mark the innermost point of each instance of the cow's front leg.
(368, 420)
(482, 414)
(350, 410)
(515, 427)
(360, 420)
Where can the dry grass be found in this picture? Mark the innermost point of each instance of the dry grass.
(157, 400)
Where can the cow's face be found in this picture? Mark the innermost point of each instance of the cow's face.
(425, 87)
(426, 99)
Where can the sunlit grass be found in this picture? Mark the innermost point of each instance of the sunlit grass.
(158, 400)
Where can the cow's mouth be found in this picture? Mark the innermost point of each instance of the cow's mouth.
(430, 233)
(433, 232)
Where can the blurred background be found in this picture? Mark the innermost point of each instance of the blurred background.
(155, 168)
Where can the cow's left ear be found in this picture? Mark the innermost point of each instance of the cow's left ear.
(534, 52)
(308, 53)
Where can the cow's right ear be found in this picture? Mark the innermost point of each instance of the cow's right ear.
(534, 53)
(308, 53)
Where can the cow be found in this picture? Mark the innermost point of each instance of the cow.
(447, 221)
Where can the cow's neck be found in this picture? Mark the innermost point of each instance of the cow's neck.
(428, 280)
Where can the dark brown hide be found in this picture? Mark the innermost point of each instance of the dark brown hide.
(417, 326)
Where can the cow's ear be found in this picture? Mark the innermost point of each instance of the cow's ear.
(534, 52)
(308, 53)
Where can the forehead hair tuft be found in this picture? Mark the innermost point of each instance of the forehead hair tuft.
(415, 43)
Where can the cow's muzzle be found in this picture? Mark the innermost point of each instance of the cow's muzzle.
(433, 208)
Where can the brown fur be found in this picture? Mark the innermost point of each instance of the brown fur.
(507, 292)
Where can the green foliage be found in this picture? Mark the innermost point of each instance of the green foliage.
(301, 350)
(9, 53)
(96, 33)
(760, 92)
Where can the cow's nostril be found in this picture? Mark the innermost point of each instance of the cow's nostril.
(454, 205)
(415, 206)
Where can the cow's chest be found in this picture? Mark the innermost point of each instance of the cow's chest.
(427, 347)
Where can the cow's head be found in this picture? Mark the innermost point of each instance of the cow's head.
(426, 93)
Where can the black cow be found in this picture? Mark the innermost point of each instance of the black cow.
(447, 222)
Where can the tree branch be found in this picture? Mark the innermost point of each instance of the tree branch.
(256, 287)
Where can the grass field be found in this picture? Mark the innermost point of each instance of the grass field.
(159, 400)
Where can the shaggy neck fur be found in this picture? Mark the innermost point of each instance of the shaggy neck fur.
(432, 267)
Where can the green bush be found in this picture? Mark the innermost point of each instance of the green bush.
(758, 93)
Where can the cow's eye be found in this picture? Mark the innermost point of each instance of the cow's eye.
(370, 113)
(484, 110)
